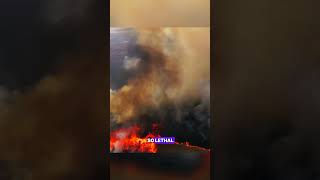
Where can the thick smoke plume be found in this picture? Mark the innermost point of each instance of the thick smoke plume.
(172, 79)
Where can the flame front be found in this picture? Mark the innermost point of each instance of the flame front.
(127, 140)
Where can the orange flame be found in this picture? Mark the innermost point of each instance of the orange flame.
(187, 144)
(127, 140)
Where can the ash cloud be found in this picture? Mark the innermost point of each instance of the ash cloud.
(170, 85)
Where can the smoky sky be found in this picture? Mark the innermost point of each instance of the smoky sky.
(122, 45)
(44, 44)
(166, 13)
(35, 34)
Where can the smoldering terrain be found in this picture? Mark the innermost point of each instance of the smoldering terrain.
(165, 80)
(53, 79)
(176, 166)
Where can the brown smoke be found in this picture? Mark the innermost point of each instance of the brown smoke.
(147, 89)
(54, 129)
(175, 67)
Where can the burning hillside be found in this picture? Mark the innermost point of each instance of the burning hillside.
(131, 140)
(165, 80)
(128, 140)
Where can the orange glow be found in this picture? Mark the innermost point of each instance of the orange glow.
(187, 144)
(127, 140)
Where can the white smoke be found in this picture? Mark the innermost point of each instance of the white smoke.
(131, 63)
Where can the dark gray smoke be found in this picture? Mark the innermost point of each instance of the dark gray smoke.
(53, 83)
(35, 35)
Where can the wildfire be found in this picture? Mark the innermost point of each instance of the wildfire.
(191, 146)
(127, 140)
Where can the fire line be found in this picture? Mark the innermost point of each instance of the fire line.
(127, 140)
